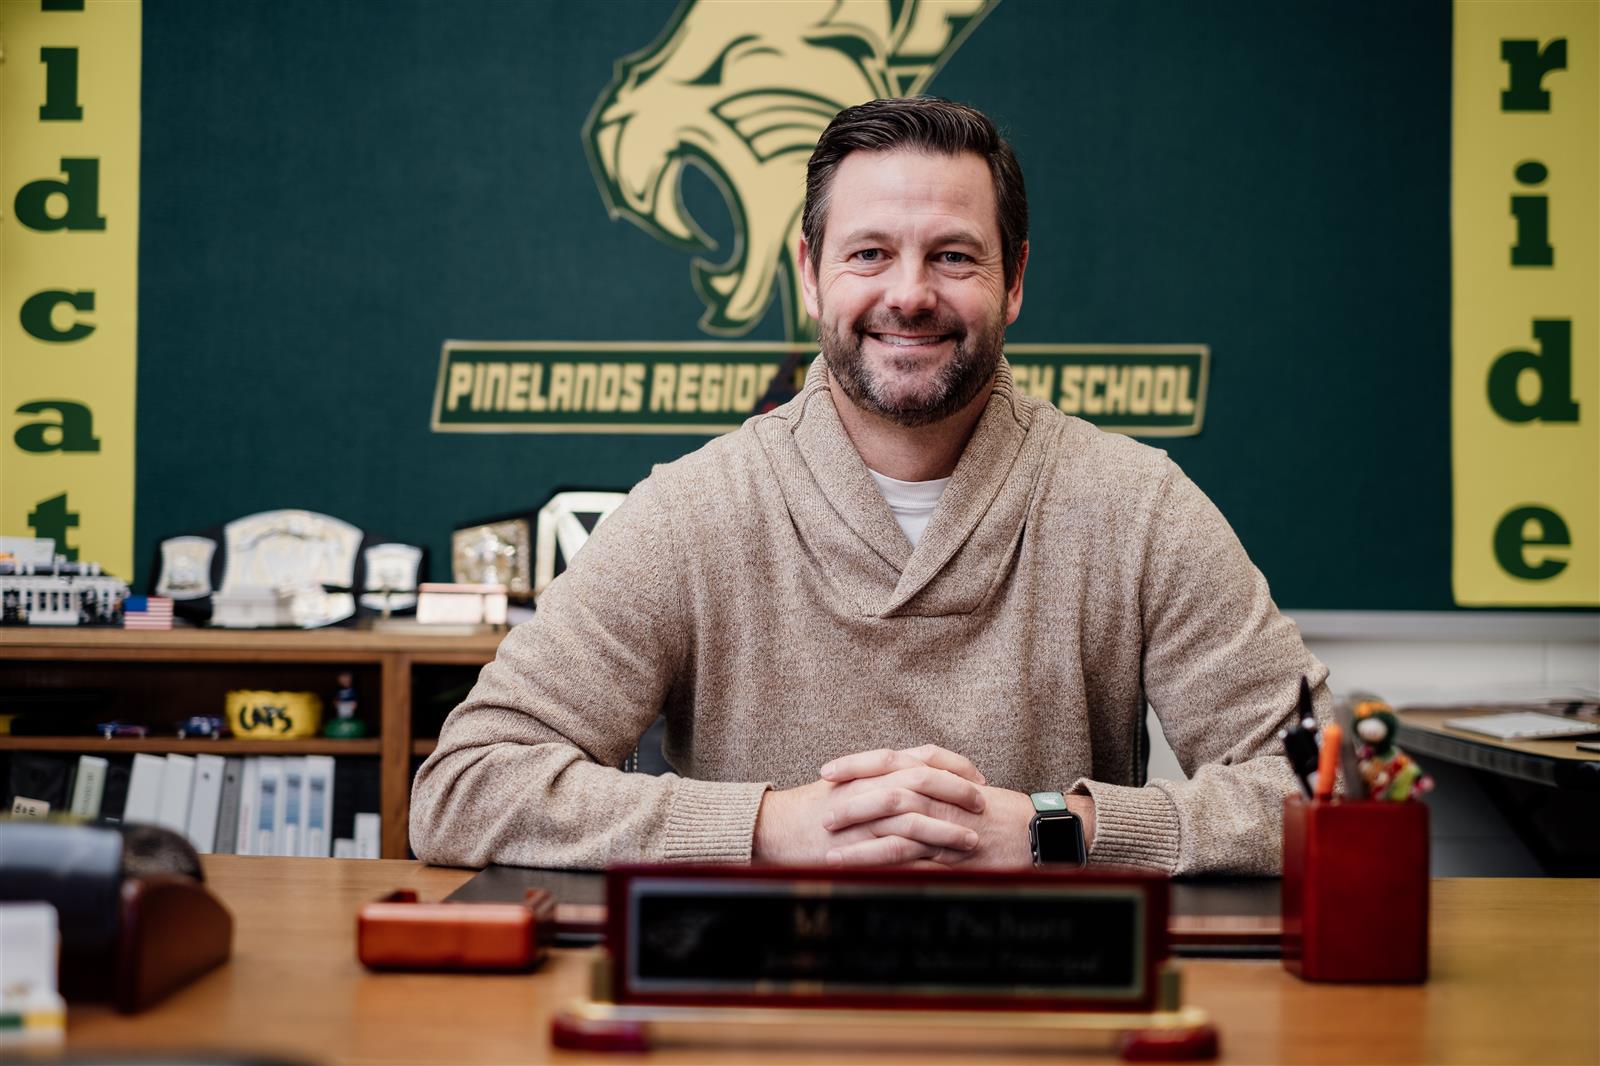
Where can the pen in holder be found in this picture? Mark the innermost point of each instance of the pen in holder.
(1355, 890)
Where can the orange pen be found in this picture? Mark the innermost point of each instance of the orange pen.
(1328, 760)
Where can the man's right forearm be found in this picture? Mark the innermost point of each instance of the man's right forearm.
(524, 769)
(547, 805)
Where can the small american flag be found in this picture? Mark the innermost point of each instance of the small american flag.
(147, 612)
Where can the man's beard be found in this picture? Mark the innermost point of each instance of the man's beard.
(976, 357)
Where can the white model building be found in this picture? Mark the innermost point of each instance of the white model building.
(59, 594)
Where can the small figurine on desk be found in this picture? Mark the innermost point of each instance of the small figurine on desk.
(344, 725)
(1389, 773)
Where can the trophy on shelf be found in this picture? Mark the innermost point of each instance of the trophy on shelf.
(286, 568)
(392, 571)
(493, 553)
(525, 551)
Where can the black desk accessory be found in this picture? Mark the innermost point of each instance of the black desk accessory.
(136, 922)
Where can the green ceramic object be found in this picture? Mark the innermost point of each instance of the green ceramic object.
(345, 729)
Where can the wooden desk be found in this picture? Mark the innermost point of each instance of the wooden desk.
(1559, 763)
(1516, 976)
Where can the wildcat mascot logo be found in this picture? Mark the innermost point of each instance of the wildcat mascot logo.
(743, 91)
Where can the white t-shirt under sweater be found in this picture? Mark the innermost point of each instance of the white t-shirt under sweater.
(912, 502)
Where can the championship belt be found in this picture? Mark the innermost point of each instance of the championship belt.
(286, 568)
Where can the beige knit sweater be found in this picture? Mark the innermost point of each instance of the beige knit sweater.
(760, 593)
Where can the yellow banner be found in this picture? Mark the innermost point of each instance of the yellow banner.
(1525, 221)
(69, 240)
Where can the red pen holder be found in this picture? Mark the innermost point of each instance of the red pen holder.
(1355, 890)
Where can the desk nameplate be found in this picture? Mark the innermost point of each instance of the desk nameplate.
(1015, 940)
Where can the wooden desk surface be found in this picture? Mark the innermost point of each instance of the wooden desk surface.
(1516, 976)
(1433, 719)
(1558, 763)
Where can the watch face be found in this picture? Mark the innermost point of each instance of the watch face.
(1059, 839)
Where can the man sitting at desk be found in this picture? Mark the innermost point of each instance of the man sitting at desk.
(880, 616)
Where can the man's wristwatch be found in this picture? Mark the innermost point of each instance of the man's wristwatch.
(1055, 832)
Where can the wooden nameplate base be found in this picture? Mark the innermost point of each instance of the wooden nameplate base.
(1012, 959)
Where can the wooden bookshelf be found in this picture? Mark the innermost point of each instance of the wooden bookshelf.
(172, 661)
(161, 745)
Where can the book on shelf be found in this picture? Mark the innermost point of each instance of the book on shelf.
(291, 800)
(228, 806)
(115, 797)
(317, 810)
(249, 806)
(144, 789)
(176, 787)
(89, 789)
(310, 806)
(205, 802)
(369, 836)
(269, 806)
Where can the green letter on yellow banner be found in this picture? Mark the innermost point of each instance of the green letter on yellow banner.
(1525, 222)
(69, 238)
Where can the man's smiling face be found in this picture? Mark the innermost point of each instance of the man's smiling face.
(908, 288)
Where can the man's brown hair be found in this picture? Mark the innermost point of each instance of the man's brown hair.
(927, 124)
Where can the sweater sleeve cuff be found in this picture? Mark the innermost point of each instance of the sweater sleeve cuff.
(712, 821)
(1132, 826)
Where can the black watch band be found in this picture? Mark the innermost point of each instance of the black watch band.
(1055, 834)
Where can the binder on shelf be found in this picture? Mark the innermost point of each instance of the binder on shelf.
(176, 788)
(144, 789)
(43, 781)
(228, 807)
(291, 801)
(89, 789)
(369, 836)
(249, 808)
(317, 810)
(205, 802)
(114, 800)
(269, 806)
(344, 848)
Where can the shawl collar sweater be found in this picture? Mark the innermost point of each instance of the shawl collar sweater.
(761, 595)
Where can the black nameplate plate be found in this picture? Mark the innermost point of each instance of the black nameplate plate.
(1021, 940)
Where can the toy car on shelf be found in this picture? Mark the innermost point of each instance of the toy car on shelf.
(204, 726)
(121, 730)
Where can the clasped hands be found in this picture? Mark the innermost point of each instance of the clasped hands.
(920, 807)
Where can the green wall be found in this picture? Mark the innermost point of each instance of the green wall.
(331, 190)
